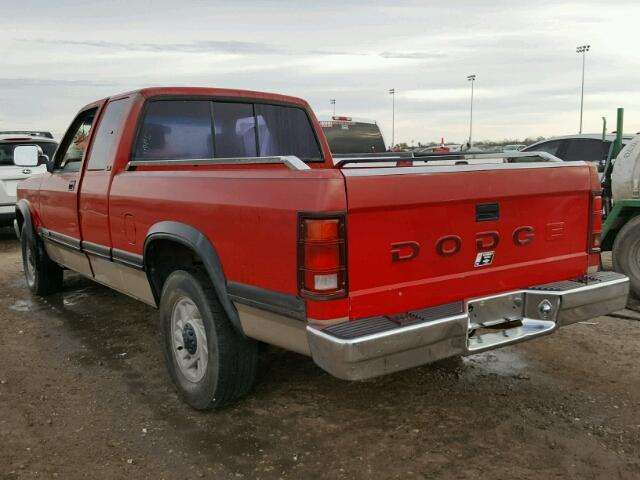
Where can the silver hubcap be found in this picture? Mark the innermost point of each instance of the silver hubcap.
(189, 340)
(30, 266)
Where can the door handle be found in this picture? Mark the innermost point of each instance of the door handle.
(72, 185)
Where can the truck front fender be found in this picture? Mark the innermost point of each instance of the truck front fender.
(200, 245)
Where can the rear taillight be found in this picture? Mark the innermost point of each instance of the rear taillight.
(322, 257)
(595, 222)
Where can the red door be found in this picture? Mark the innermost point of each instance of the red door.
(59, 195)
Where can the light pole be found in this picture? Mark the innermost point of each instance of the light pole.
(472, 79)
(583, 49)
(392, 92)
(333, 102)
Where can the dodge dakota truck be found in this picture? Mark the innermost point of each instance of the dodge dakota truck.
(226, 211)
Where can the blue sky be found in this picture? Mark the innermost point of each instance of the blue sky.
(58, 56)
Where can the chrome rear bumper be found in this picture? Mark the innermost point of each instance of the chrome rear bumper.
(376, 346)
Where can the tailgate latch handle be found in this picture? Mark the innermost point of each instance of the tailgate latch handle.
(486, 212)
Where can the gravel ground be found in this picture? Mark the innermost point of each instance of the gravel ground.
(84, 394)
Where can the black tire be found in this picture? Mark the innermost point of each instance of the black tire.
(626, 253)
(232, 358)
(43, 275)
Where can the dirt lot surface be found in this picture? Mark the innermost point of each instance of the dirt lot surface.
(84, 394)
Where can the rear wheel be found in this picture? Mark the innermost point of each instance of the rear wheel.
(210, 363)
(626, 253)
(43, 276)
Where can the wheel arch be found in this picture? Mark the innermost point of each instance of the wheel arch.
(199, 245)
(23, 217)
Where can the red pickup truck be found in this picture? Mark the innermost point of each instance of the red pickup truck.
(226, 210)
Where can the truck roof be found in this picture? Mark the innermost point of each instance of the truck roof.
(212, 92)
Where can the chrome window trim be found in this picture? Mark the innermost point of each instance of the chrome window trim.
(291, 161)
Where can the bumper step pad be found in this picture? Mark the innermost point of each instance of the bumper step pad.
(373, 325)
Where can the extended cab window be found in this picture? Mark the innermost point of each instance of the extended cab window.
(75, 143)
(175, 129)
(105, 142)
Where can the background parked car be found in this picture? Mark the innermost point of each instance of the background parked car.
(347, 135)
(587, 147)
(11, 175)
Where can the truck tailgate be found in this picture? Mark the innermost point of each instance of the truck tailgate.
(425, 236)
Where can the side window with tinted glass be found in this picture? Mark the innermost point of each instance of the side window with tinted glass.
(103, 149)
(75, 143)
(549, 147)
(175, 130)
(587, 149)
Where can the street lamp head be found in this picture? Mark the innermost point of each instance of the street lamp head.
(471, 78)
(392, 91)
(333, 101)
(583, 48)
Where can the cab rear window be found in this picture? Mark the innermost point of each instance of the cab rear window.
(285, 131)
(197, 129)
(175, 129)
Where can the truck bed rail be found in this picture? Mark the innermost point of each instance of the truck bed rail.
(462, 157)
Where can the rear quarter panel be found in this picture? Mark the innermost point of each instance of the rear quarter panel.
(248, 214)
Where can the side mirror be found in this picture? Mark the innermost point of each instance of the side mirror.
(26, 156)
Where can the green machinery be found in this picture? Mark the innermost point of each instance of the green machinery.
(621, 199)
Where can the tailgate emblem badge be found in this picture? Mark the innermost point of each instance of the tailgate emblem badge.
(26, 171)
(401, 251)
(483, 258)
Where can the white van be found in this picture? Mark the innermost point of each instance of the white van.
(11, 174)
